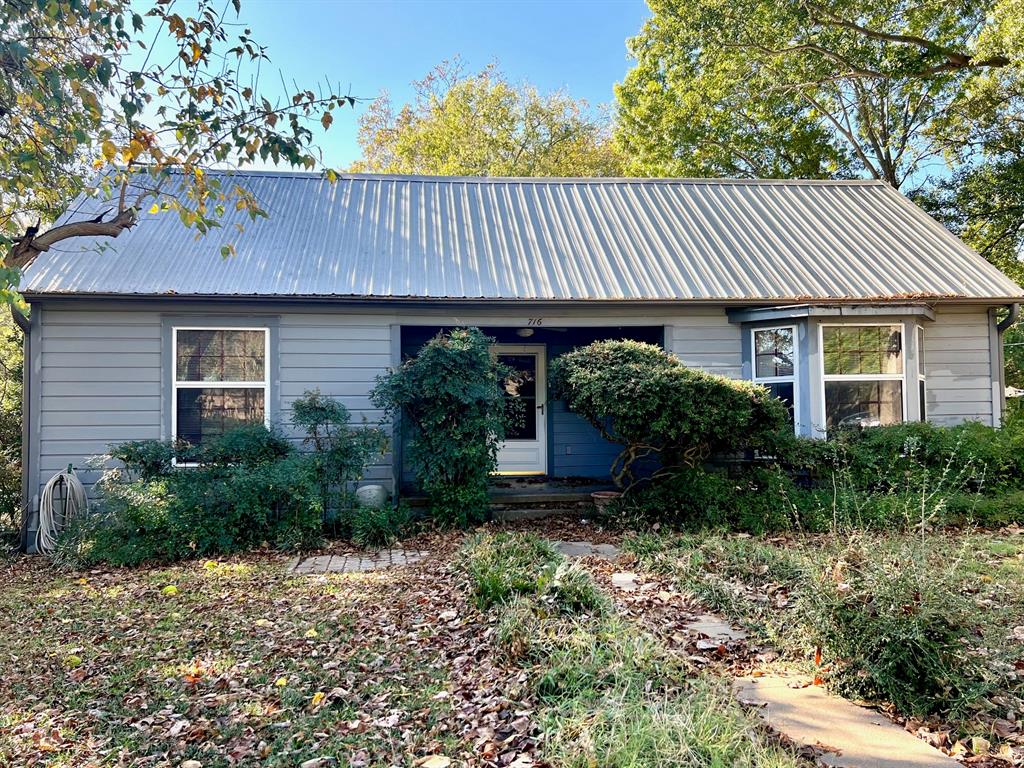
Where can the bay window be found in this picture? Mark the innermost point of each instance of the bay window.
(775, 363)
(221, 380)
(864, 374)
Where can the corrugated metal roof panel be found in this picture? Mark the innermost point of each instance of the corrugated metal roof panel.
(561, 239)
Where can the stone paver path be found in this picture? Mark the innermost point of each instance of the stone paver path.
(355, 563)
(852, 736)
(587, 549)
(715, 627)
(625, 580)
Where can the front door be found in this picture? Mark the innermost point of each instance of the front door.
(525, 450)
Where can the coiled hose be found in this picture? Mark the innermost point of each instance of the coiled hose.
(51, 520)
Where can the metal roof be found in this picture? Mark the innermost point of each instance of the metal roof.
(544, 239)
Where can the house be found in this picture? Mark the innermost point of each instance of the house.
(845, 299)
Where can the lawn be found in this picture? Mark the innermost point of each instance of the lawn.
(493, 651)
(237, 662)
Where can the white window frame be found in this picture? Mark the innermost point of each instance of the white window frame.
(176, 385)
(824, 378)
(793, 379)
(922, 375)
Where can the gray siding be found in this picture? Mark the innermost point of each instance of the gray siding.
(342, 355)
(958, 366)
(102, 379)
(705, 339)
(100, 383)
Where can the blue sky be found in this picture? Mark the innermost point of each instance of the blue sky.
(578, 45)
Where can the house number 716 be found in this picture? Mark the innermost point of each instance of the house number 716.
(535, 321)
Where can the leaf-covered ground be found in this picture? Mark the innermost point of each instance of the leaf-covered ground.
(239, 662)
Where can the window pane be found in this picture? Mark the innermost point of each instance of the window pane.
(220, 355)
(863, 403)
(784, 391)
(205, 413)
(923, 413)
(863, 349)
(524, 387)
(773, 352)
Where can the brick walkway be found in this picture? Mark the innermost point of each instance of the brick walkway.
(355, 563)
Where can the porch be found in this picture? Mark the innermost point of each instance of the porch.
(554, 456)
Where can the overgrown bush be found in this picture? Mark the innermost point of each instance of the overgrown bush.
(339, 452)
(893, 625)
(900, 476)
(891, 615)
(645, 399)
(451, 400)
(11, 365)
(249, 487)
(755, 500)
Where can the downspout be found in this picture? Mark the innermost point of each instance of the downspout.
(1012, 315)
(26, 346)
(1011, 318)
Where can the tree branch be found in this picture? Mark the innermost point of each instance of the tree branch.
(28, 247)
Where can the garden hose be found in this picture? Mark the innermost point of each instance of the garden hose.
(51, 520)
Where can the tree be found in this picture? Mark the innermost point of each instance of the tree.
(10, 423)
(104, 89)
(827, 88)
(482, 125)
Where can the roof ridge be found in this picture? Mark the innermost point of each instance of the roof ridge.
(426, 178)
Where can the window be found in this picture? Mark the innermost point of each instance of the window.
(863, 374)
(221, 381)
(774, 363)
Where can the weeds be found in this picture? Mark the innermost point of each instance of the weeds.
(610, 694)
(373, 527)
(895, 617)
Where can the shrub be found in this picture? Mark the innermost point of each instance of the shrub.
(250, 488)
(645, 399)
(339, 452)
(752, 499)
(379, 527)
(144, 459)
(450, 397)
(247, 446)
(894, 625)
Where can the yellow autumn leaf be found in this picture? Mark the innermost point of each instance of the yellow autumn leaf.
(109, 150)
(170, 590)
(311, 632)
(281, 682)
(318, 698)
(155, 208)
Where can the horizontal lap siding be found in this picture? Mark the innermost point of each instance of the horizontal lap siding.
(101, 379)
(958, 366)
(342, 356)
(99, 382)
(579, 449)
(706, 339)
